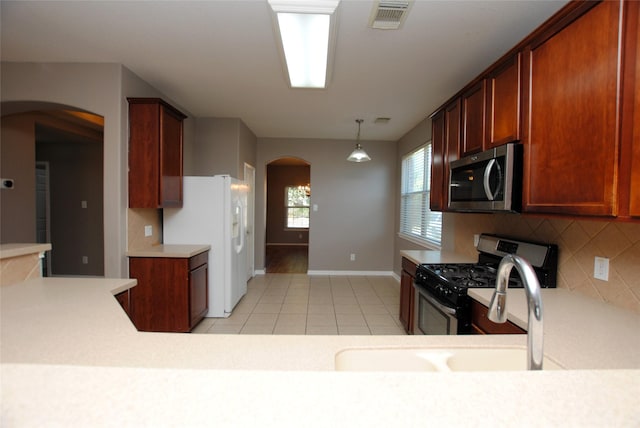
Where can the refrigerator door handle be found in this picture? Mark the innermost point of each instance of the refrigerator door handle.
(240, 237)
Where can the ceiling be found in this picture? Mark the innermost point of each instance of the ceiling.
(220, 58)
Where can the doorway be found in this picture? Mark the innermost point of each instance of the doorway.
(56, 154)
(288, 216)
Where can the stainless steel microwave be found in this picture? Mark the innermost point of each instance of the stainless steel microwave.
(487, 181)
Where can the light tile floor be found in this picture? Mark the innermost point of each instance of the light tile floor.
(302, 304)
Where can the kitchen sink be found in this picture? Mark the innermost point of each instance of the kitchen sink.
(436, 359)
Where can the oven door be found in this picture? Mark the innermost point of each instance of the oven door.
(432, 317)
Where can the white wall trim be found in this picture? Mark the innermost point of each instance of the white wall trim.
(351, 272)
(343, 272)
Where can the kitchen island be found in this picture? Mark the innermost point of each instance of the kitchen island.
(70, 356)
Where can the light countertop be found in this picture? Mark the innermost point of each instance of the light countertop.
(21, 249)
(169, 251)
(436, 256)
(70, 356)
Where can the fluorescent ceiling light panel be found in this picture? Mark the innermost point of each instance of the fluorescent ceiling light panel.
(305, 29)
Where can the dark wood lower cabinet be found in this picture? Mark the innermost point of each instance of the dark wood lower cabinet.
(407, 294)
(123, 299)
(172, 293)
(480, 324)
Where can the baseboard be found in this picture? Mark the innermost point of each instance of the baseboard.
(342, 273)
(287, 244)
(350, 272)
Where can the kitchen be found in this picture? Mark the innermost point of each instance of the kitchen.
(458, 222)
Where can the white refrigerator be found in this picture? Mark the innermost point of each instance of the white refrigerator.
(214, 212)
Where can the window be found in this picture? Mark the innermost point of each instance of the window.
(417, 222)
(297, 206)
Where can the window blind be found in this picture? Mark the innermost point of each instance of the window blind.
(417, 221)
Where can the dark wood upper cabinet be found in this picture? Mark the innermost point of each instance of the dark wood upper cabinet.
(570, 93)
(630, 147)
(571, 146)
(452, 114)
(473, 119)
(155, 154)
(503, 89)
(437, 201)
(445, 140)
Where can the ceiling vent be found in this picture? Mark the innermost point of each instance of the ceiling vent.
(389, 14)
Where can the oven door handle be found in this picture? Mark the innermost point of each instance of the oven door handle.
(434, 302)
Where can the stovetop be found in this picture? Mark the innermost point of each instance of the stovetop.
(470, 275)
(449, 282)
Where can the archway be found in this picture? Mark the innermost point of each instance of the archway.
(288, 216)
(56, 154)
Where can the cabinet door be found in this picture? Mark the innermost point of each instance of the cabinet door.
(480, 323)
(160, 301)
(198, 294)
(437, 192)
(631, 122)
(473, 110)
(452, 142)
(503, 103)
(406, 301)
(572, 143)
(171, 159)
(144, 157)
(155, 154)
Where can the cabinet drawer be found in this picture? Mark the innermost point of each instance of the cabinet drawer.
(409, 267)
(198, 260)
(481, 322)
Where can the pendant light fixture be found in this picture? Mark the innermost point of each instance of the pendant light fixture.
(358, 155)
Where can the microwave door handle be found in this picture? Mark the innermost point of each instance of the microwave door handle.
(491, 195)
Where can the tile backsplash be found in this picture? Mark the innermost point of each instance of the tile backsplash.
(137, 219)
(579, 242)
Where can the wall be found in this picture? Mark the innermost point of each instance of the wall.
(416, 137)
(75, 175)
(355, 202)
(278, 177)
(100, 89)
(222, 146)
(18, 207)
(579, 241)
(137, 219)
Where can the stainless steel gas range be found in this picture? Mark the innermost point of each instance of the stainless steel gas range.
(442, 303)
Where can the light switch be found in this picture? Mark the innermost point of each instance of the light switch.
(601, 268)
(315, 207)
(148, 230)
(83, 204)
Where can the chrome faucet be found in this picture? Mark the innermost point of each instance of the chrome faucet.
(498, 306)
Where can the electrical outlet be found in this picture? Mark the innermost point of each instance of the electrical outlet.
(353, 257)
(85, 260)
(148, 230)
(83, 204)
(476, 240)
(601, 268)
